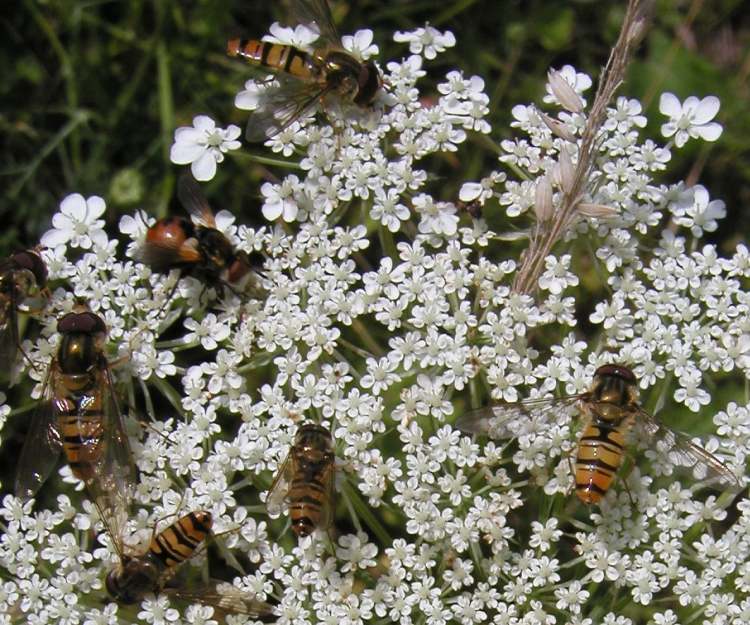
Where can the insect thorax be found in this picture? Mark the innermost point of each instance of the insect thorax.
(133, 579)
(217, 251)
(79, 355)
(342, 73)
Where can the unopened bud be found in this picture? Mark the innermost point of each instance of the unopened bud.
(558, 128)
(543, 200)
(598, 211)
(564, 92)
(567, 171)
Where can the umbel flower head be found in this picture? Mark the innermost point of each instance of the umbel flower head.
(387, 315)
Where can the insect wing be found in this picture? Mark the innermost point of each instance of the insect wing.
(194, 202)
(8, 330)
(223, 597)
(114, 474)
(113, 507)
(282, 106)
(164, 255)
(684, 453)
(319, 13)
(328, 505)
(512, 420)
(279, 489)
(41, 448)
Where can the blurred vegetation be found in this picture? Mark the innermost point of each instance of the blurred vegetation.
(92, 90)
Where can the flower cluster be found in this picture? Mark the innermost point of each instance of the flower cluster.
(386, 314)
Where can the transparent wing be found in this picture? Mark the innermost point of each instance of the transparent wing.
(223, 597)
(319, 13)
(511, 420)
(194, 202)
(8, 330)
(282, 106)
(279, 489)
(114, 475)
(42, 446)
(328, 505)
(684, 453)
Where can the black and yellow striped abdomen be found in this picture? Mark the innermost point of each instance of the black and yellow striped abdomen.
(275, 56)
(81, 424)
(307, 497)
(600, 451)
(179, 541)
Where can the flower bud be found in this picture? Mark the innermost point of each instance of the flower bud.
(564, 92)
(587, 209)
(567, 171)
(543, 206)
(558, 128)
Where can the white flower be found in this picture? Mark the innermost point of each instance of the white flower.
(356, 552)
(203, 145)
(280, 200)
(301, 36)
(209, 331)
(360, 45)
(157, 611)
(694, 210)
(557, 277)
(437, 217)
(252, 96)
(692, 118)
(427, 41)
(77, 223)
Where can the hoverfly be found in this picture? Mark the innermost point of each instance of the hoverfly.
(305, 481)
(79, 414)
(610, 409)
(198, 249)
(328, 70)
(153, 570)
(22, 275)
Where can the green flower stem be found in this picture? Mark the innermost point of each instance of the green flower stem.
(78, 117)
(266, 160)
(173, 397)
(367, 338)
(355, 503)
(352, 511)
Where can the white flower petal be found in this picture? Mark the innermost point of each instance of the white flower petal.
(204, 122)
(99, 237)
(706, 109)
(272, 210)
(204, 168)
(53, 238)
(709, 132)
(184, 153)
(74, 206)
(96, 207)
(469, 191)
(188, 134)
(669, 105)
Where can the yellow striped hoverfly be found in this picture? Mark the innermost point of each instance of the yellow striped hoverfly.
(307, 78)
(305, 481)
(79, 414)
(154, 569)
(610, 409)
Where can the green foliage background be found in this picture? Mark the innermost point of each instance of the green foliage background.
(92, 90)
